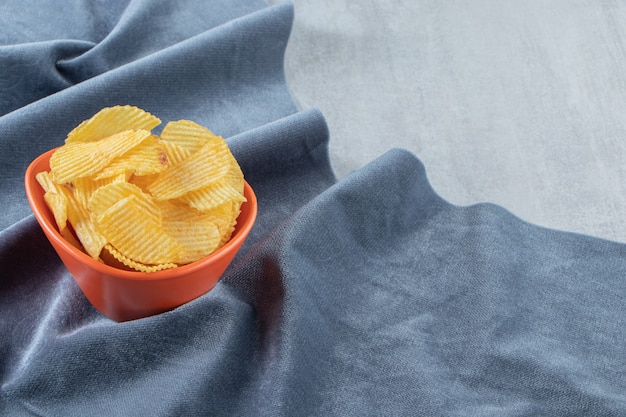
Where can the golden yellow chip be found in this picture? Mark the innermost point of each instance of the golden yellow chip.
(187, 134)
(234, 177)
(212, 195)
(195, 231)
(91, 239)
(66, 209)
(175, 210)
(84, 187)
(225, 218)
(83, 159)
(174, 152)
(57, 203)
(112, 256)
(54, 198)
(141, 238)
(47, 183)
(148, 157)
(106, 196)
(202, 168)
(110, 121)
(198, 237)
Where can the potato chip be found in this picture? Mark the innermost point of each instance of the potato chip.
(176, 210)
(54, 198)
(225, 218)
(148, 157)
(66, 209)
(203, 167)
(212, 196)
(112, 256)
(83, 159)
(84, 187)
(196, 232)
(110, 121)
(235, 176)
(188, 135)
(58, 205)
(174, 152)
(106, 196)
(139, 237)
(47, 183)
(197, 236)
(90, 238)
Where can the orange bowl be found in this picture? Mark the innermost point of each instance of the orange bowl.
(127, 295)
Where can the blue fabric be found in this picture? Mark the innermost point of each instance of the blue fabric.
(366, 296)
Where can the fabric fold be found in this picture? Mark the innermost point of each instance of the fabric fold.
(30, 71)
(144, 28)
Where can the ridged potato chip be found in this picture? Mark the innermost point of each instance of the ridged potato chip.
(234, 177)
(110, 121)
(139, 236)
(58, 205)
(176, 210)
(205, 166)
(83, 188)
(224, 217)
(47, 183)
(106, 196)
(138, 201)
(188, 135)
(148, 157)
(82, 159)
(80, 219)
(174, 152)
(198, 237)
(112, 256)
(212, 195)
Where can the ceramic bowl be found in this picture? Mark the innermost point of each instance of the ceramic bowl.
(127, 295)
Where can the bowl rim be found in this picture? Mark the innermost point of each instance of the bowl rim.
(241, 232)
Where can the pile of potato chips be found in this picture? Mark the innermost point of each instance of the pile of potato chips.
(138, 201)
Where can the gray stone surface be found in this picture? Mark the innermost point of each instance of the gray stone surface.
(518, 103)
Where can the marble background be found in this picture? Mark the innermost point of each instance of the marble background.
(518, 103)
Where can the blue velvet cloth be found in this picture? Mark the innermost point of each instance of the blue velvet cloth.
(365, 296)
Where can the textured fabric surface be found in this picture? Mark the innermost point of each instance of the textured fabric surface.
(364, 295)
